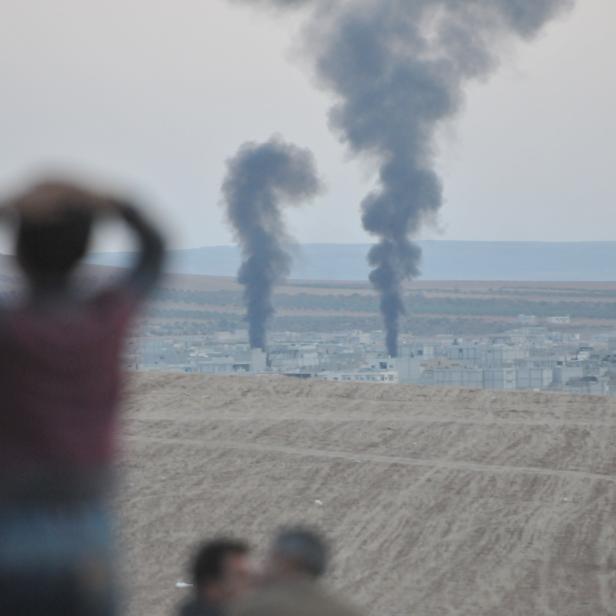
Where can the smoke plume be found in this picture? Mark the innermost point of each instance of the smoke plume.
(278, 4)
(260, 178)
(398, 69)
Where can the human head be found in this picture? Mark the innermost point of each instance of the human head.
(54, 227)
(298, 552)
(221, 570)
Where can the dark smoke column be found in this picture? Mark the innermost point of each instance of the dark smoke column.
(260, 178)
(398, 69)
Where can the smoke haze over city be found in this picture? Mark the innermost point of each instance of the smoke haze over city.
(398, 69)
(519, 179)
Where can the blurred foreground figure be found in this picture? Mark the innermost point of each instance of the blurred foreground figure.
(298, 558)
(221, 572)
(60, 379)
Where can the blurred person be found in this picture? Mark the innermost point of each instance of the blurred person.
(60, 381)
(297, 560)
(221, 573)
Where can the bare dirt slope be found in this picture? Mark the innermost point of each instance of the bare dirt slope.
(440, 502)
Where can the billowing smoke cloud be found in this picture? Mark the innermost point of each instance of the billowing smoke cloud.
(260, 178)
(398, 70)
(281, 4)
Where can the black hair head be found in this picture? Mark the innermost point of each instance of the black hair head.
(55, 222)
(303, 549)
(209, 561)
(52, 249)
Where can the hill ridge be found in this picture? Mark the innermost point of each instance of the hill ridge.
(442, 260)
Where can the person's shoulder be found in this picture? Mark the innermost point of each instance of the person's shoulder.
(269, 601)
(192, 607)
(118, 294)
(14, 315)
(120, 301)
(297, 598)
(330, 604)
(4, 317)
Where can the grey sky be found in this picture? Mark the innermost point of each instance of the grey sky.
(155, 95)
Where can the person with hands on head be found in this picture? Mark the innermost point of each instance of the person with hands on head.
(60, 383)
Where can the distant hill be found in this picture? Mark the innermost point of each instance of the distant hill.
(442, 260)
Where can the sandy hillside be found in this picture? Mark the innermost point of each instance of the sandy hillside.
(440, 502)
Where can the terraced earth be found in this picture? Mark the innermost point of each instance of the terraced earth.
(439, 502)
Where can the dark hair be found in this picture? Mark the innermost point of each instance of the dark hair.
(52, 248)
(51, 244)
(209, 561)
(303, 549)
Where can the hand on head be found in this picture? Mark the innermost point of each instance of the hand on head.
(49, 200)
(54, 222)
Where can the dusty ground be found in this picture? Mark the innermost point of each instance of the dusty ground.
(440, 502)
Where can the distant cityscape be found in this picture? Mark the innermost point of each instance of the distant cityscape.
(541, 336)
(529, 357)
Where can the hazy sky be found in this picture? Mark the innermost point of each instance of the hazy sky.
(155, 95)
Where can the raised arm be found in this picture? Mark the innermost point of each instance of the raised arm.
(55, 203)
(148, 264)
(7, 218)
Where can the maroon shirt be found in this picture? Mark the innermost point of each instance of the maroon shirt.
(60, 380)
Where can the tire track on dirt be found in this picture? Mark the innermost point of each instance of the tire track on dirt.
(430, 419)
(379, 459)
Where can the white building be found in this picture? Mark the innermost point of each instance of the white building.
(587, 385)
(564, 374)
(534, 378)
(258, 360)
(453, 377)
(367, 376)
(499, 378)
(500, 355)
(220, 365)
(468, 353)
(559, 320)
(295, 357)
(409, 369)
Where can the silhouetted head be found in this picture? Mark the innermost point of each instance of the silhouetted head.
(221, 570)
(297, 552)
(54, 228)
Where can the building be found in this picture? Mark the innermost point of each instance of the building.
(258, 360)
(409, 369)
(362, 376)
(559, 320)
(499, 378)
(534, 378)
(565, 373)
(588, 385)
(471, 378)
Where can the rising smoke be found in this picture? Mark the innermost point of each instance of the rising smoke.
(260, 178)
(277, 4)
(398, 70)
